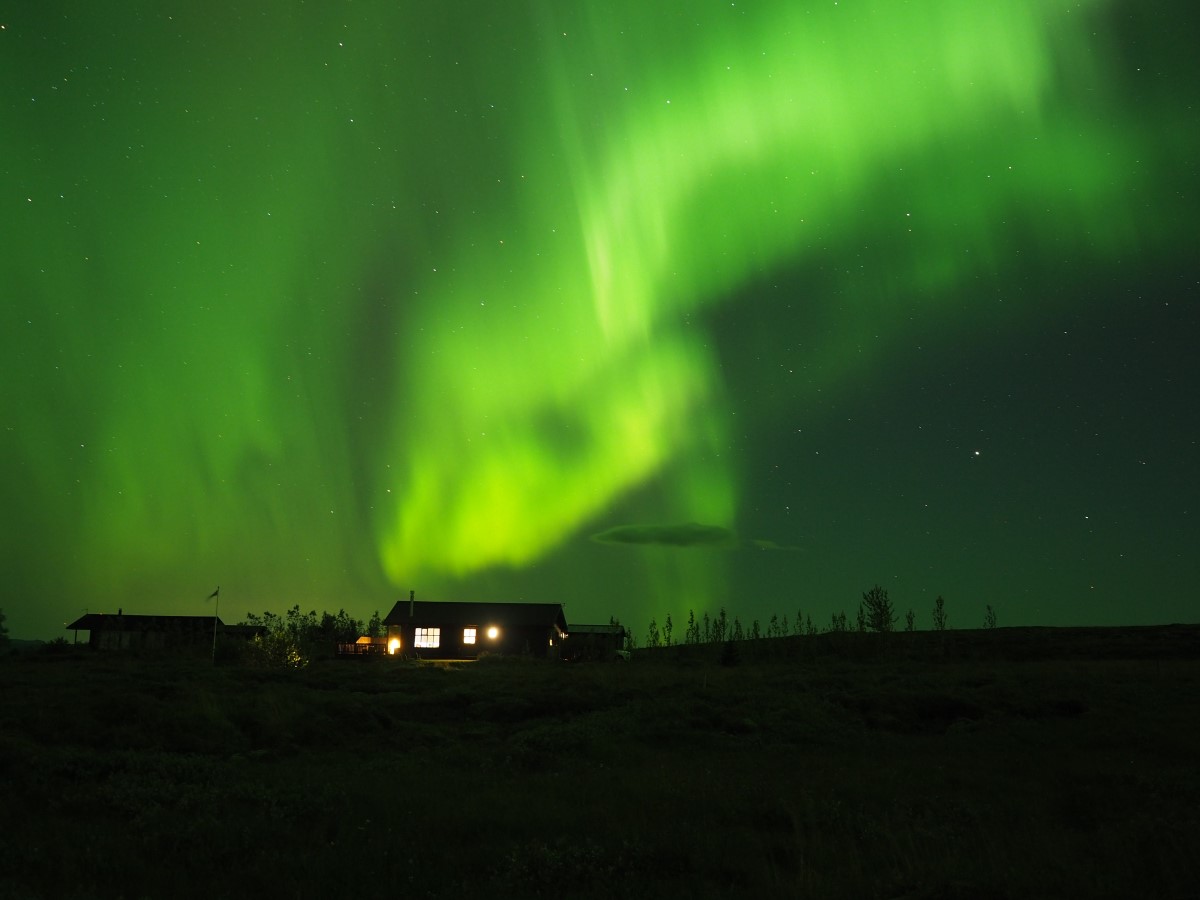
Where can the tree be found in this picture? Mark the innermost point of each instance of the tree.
(939, 614)
(667, 629)
(342, 628)
(652, 639)
(755, 631)
(989, 617)
(3, 632)
(278, 646)
(737, 629)
(375, 626)
(879, 613)
(862, 619)
(910, 620)
(692, 635)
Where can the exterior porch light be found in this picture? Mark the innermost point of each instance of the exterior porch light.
(493, 632)
(393, 646)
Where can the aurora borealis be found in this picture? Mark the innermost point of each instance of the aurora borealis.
(324, 302)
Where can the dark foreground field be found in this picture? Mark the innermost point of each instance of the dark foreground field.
(861, 770)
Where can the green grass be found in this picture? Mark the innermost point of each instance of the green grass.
(826, 776)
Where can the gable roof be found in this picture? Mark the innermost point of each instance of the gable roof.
(103, 621)
(518, 615)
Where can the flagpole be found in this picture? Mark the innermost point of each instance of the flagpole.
(216, 610)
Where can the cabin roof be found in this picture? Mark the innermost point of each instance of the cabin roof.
(518, 615)
(125, 622)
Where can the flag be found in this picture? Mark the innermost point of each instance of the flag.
(215, 593)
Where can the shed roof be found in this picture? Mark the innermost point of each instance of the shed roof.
(614, 630)
(529, 615)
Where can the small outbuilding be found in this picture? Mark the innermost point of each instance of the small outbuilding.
(457, 630)
(596, 642)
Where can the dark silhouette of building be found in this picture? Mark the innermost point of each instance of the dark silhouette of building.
(133, 632)
(455, 630)
(596, 642)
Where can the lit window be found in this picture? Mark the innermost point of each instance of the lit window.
(492, 632)
(428, 637)
(469, 635)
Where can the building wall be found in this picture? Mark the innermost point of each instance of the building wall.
(510, 641)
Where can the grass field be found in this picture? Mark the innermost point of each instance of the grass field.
(979, 768)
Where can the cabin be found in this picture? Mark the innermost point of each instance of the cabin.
(125, 632)
(455, 630)
(601, 643)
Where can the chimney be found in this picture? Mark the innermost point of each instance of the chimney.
(411, 595)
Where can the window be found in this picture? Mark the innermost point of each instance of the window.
(428, 637)
(469, 634)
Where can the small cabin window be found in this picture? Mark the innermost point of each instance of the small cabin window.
(469, 634)
(428, 637)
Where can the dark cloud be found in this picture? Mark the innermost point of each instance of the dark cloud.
(691, 534)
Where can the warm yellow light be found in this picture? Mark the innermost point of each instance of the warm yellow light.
(393, 646)
(492, 632)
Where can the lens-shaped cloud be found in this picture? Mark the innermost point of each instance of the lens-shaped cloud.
(690, 534)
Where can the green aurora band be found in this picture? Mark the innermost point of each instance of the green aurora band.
(337, 302)
(737, 156)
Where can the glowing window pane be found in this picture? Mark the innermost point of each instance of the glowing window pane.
(428, 637)
(468, 635)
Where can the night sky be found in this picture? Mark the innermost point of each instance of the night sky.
(637, 307)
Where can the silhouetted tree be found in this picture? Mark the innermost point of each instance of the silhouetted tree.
(940, 619)
(707, 628)
(283, 643)
(838, 621)
(879, 613)
(773, 626)
(910, 620)
(862, 619)
(784, 628)
(989, 617)
(375, 626)
(692, 635)
(755, 632)
(342, 628)
(3, 631)
(652, 639)
(667, 629)
(737, 629)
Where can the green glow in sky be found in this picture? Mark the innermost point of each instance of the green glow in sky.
(734, 155)
(322, 305)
